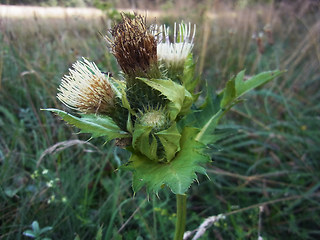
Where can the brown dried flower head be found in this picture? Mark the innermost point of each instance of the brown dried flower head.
(87, 89)
(133, 45)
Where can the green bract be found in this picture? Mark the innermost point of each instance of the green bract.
(178, 174)
(180, 99)
(157, 146)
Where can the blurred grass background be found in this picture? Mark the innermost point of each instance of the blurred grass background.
(51, 174)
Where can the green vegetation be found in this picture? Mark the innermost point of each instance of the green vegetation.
(53, 176)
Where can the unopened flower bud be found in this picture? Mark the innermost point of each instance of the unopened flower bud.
(156, 119)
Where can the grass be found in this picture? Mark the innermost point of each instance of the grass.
(271, 159)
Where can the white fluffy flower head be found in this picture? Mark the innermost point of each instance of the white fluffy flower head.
(176, 52)
(86, 89)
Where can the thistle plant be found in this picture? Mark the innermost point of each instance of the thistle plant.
(152, 111)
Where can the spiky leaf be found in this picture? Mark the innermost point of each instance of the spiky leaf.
(180, 99)
(145, 142)
(157, 146)
(170, 140)
(98, 126)
(178, 174)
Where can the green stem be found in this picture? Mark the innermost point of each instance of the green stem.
(181, 216)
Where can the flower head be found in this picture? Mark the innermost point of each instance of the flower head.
(177, 51)
(133, 45)
(86, 89)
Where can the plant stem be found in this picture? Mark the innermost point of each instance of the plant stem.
(181, 216)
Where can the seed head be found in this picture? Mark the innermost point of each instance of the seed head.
(134, 47)
(86, 89)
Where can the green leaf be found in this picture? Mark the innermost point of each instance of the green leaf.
(188, 80)
(77, 237)
(99, 234)
(179, 98)
(236, 87)
(45, 229)
(170, 140)
(145, 142)
(29, 233)
(205, 118)
(98, 126)
(244, 86)
(187, 103)
(35, 226)
(129, 124)
(126, 104)
(204, 135)
(178, 174)
(229, 93)
(119, 88)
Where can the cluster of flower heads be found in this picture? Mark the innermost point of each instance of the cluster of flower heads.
(147, 103)
(148, 110)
